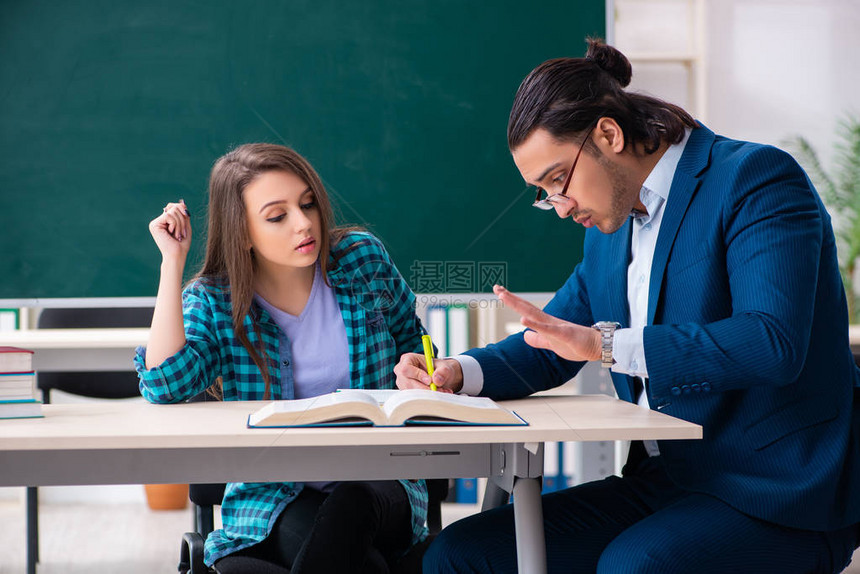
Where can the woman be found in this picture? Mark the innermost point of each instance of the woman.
(284, 307)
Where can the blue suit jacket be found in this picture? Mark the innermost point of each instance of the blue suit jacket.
(747, 335)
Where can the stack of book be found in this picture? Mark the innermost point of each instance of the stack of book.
(18, 384)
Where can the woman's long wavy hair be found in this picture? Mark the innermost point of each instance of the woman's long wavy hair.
(566, 97)
(229, 263)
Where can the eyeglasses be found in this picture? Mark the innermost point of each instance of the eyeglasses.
(546, 203)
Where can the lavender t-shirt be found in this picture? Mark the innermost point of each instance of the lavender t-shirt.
(315, 342)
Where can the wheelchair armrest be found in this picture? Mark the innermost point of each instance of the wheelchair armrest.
(191, 554)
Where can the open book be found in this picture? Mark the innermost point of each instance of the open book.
(383, 408)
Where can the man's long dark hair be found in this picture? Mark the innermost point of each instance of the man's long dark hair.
(566, 97)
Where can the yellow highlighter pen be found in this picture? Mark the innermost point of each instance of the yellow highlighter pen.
(428, 356)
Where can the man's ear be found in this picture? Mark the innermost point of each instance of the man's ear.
(608, 136)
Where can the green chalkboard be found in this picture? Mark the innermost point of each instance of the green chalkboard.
(110, 109)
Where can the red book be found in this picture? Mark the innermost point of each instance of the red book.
(15, 360)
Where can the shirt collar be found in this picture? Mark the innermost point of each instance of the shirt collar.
(655, 189)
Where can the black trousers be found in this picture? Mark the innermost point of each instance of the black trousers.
(359, 528)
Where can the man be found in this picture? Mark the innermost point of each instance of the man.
(709, 285)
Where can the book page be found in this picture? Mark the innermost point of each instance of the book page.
(330, 407)
(428, 405)
(379, 395)
(15, 360)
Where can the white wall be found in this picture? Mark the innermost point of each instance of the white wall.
(773, 68)
(783, 67)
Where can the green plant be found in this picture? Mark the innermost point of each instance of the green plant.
(840, 190)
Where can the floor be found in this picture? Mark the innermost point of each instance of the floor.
(106, 539)
(94, 538)
(128, 538)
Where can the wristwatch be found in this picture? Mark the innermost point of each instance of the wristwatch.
(607, 334)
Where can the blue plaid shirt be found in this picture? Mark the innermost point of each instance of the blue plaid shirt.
(379, 315)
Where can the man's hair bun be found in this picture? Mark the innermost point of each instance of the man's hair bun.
(610, 60)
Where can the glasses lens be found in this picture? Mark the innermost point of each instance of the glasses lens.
(543, 204)
(549, 203)
(542, 200)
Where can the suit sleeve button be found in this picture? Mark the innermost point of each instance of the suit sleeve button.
(706, 386)
(696, 387)
(685, 389)
(676, 391)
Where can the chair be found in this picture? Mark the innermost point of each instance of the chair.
(206, 496)
(96, 384)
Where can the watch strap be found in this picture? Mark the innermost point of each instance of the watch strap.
(607, 337)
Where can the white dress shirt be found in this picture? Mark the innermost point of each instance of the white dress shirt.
(628, 349)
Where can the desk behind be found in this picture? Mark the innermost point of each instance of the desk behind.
(79, 349)
(113, 349)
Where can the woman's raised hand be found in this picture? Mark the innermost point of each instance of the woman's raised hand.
(172, 231)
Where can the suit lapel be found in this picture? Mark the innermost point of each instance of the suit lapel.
(616, 277)
(684, 186)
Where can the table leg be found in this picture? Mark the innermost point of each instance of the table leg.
(528, 523)
(32, 529)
